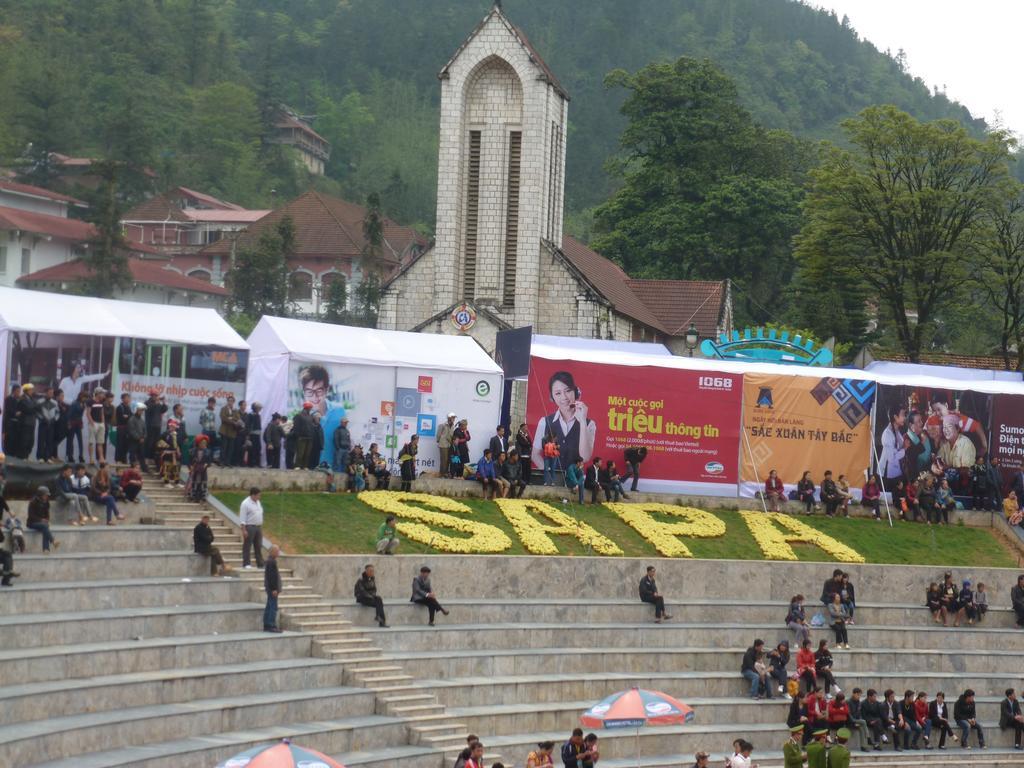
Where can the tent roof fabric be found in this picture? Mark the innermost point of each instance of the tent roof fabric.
(326, 343)
(549, 346)
(618, 357)
(23, 310)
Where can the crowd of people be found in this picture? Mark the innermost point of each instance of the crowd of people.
(928, 498)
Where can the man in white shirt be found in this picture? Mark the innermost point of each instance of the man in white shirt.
(72, 385)
(251, 514)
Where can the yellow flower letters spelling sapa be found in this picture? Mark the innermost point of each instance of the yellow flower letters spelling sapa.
(483, 539)
(535, 534)
(695, 523)
(774, 543)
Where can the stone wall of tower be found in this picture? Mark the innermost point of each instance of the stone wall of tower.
(409, 299)
(484, 73)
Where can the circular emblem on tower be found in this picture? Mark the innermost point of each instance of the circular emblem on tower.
(463, 317)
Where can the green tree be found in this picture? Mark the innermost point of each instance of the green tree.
(336, 302)
(999, 271)
(258, 279)
(707, 193)
(899, 209)
(106, 257)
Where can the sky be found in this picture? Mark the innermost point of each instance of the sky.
(969, 48)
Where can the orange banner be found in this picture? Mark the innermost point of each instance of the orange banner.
(793, 424)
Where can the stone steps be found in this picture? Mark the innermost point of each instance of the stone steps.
(563, 715)
(63, 698)
(63, 565)
(772, 758)
(402, 612)
(458, 637)
(687, 739)
(119, 538)
(27, 597)
(597, 658)
(84, 660)
(55, 737)
(355, 734)
(42, 629)
(552, 688)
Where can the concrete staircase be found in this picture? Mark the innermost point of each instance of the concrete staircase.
(517, 670)
(119, 649)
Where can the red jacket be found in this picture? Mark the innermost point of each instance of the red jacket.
(773, 486)
(816, 708)
(921, 711)
(838, 713)
(805, 660)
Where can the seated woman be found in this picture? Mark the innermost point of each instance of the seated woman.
(805, 493)
(845, 497)
(1011, 508)
(378, 467)
(933, 599)
(871, 495)
(823, 666)
(806, 667)
(195, 490)
(774, 492)
(101, 493)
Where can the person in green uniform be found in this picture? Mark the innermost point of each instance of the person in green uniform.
(839, 756)
(817, 757)
(792, 751)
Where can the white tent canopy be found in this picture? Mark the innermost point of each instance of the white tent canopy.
(37, 312)
(550, 346)
(324, 342)
(388, 384)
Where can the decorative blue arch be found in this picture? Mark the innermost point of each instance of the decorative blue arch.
(766, 345)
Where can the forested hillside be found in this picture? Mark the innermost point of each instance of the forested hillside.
(184, 86)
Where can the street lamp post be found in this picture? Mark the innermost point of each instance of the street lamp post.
(691, 338)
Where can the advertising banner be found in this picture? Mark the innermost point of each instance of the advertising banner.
(926, 429)
(191, 393)
(387, 406)
(1007, 436)
(687, 420)
(795, 424)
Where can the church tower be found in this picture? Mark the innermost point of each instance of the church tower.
(501, 172)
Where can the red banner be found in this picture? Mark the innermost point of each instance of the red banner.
(688, 421)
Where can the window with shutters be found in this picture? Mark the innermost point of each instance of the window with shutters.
(472, 216)
(26, 261)
(515, 147)
(3, 259)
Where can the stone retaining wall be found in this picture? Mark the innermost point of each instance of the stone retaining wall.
(523, 576)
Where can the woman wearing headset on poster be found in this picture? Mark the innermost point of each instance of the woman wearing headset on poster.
(573, 431)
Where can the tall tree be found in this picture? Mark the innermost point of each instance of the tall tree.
(336, 302)
(707, 193)
(258, 279)
(999, 271)
(106, 257)
(899, 209)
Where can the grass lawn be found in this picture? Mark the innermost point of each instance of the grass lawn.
(317, 523)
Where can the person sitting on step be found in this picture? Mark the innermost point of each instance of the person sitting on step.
(366, 594)
(649, 594)
(202, 543)
(423, 594)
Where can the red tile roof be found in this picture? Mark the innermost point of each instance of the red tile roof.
(32, 191)
(144, 272)
(677, 303)
(326, 227)
(980, 362)
(210, 200)
(45, 224)
(610, 281)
